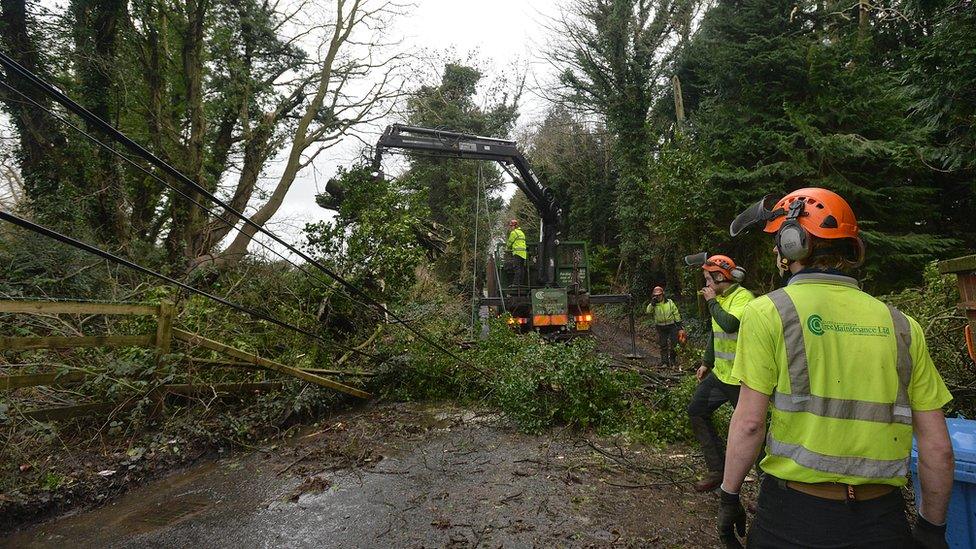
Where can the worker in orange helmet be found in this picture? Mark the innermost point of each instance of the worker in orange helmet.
(848, 381)
(726, 299)
(667, 321)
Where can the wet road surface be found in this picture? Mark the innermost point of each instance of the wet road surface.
(400, 476)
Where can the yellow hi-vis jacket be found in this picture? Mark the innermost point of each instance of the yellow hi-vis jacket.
(844, 372)
(665, 313)
(516, 243)
(732, 301)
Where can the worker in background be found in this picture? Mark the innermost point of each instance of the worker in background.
(667, 320)
(850, 380)
(726, 299)
(517, 252)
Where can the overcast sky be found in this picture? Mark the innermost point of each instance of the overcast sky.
(505, 34)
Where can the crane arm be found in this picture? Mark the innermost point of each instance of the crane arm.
(505, 152)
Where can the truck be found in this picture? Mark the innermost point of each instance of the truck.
(553, 297)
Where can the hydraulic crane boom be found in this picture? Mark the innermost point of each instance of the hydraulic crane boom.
(506, 153)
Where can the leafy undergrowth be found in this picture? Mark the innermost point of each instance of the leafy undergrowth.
(50, 466)
(539, 383)
(934, 306)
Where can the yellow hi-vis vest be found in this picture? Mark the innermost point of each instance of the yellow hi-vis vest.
(665, 313)
(516, 243)
(844, 372)
(734, 301)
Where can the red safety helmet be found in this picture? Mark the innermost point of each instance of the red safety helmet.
(657, 291)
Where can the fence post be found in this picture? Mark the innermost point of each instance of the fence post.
(164, 328)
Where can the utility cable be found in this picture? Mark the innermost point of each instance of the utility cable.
(148, 173)
(59, 96)
(64, 239)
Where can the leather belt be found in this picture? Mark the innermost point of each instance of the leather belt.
(841, 492)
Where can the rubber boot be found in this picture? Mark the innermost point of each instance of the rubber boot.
(711, 447)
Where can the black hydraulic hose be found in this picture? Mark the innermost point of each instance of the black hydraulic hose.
(58, 96)
(64, 239)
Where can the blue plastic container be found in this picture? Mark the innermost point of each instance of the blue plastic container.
(961, 519)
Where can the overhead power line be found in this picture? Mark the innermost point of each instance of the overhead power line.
(94, 121)
(64, 239)
(155, 177)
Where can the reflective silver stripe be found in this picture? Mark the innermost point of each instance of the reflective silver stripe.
(843, 408)
(823, 277)
(722, 335)
(849, 466)
(724, 356)
(801, 400)
(903, 339)
(796, 353)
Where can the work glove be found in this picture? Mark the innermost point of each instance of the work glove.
(929, 536)
(731, 519)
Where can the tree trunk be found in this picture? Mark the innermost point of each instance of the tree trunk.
(96, 39)
(187, 218)
(155, 51)
(300, 141)
(41, 138)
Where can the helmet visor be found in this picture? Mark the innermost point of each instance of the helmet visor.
(696, 260)
(759, 213)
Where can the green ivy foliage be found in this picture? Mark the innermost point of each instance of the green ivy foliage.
(539, 383)
(933, 305)
(373, 234)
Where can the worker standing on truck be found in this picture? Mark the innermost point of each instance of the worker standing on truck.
(726, 299)
(850, 380)
(517, 252)
(667, 320)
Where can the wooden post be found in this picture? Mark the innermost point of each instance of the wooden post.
(679, 102)
(864, 18)
(164, 328)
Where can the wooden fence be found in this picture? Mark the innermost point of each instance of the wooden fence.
(161, 340)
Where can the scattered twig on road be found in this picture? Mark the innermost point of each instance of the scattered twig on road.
(507, 499)
(294, 463)
(375, 472)
(649, 485)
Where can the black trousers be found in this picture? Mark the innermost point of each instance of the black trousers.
(667, 339)
(710, 394)
(787, 518)
(516, 271)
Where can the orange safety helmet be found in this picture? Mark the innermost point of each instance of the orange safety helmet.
(800, 214)
(657, 291)
(823, 214)
(717, 264)
(720, 264)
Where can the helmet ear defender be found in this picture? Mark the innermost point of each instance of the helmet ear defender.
(792, 240)
(738, 274)
(802, 217)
